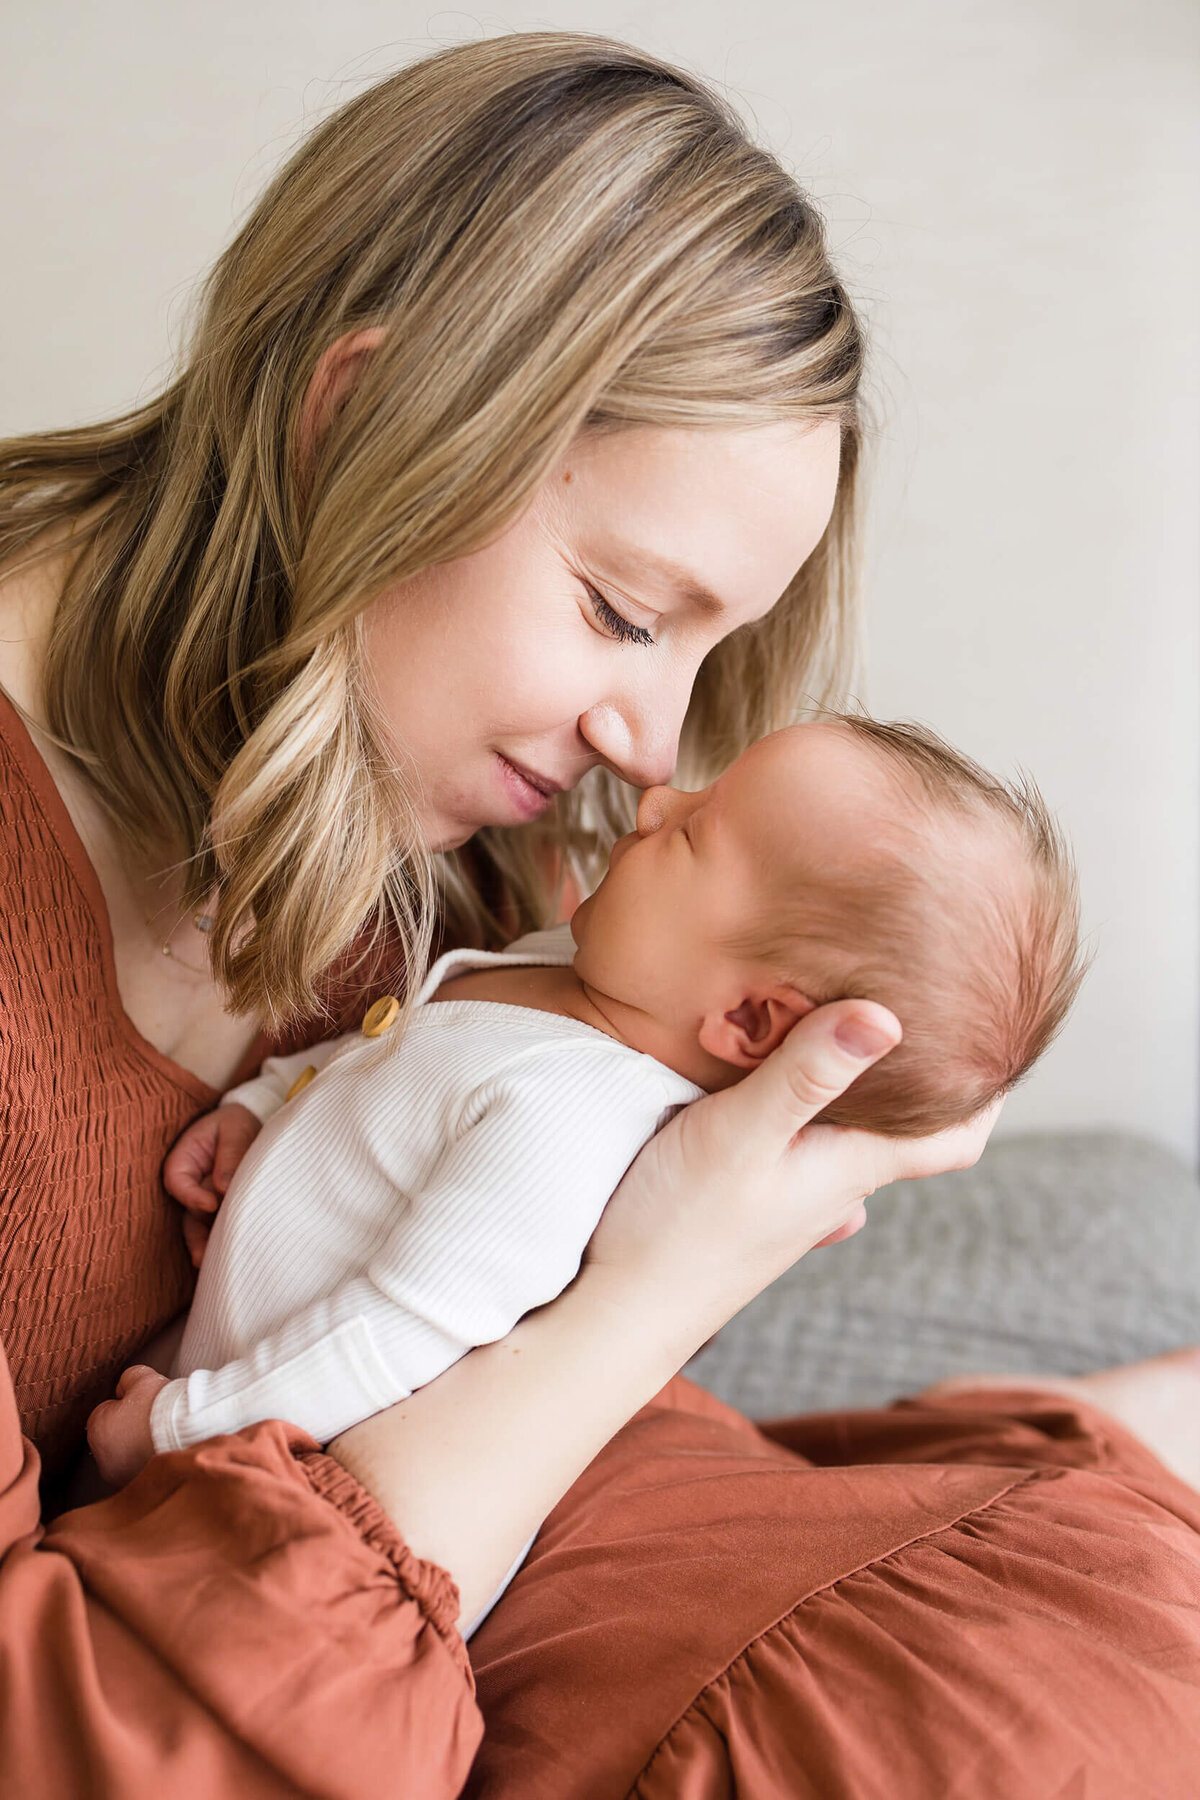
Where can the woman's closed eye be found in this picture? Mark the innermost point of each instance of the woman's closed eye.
(615, 623)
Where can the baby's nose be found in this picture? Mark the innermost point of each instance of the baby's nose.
(652, 809)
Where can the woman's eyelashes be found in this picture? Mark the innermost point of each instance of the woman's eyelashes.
(615, 623)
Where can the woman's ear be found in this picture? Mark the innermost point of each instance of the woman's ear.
(749, 1032)
(332, 381)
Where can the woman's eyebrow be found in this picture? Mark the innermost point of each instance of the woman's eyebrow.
(633, 561)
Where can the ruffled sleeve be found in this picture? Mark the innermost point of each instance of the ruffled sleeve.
(243, 1620)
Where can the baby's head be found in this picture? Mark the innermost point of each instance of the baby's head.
(843, 859)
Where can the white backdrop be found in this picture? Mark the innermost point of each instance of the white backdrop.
(1013, 191)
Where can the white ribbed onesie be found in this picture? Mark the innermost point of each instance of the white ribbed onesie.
(417, 1198)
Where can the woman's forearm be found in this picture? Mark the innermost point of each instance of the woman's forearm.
(469, 1466)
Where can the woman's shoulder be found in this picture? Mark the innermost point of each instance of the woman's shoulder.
(43, 875)
(374, 965)
(24, 781)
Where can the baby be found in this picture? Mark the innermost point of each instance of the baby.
(406, 1195)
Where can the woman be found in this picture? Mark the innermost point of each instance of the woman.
(305, 663)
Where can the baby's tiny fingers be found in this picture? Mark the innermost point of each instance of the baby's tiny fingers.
(99, 1432)
(128, 1378)
(195, 1236)
(229, 1154)
(189, 1190)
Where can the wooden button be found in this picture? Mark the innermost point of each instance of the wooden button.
(301, 1082)
(382, 1016)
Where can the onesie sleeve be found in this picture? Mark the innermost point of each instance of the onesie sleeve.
(500, 1228)
(266, 1092)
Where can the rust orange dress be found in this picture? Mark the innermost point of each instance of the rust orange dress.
(995, 1596)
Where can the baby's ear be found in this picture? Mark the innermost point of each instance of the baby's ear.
(749, 1032)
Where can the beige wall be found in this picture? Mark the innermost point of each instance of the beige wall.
(1013, 187)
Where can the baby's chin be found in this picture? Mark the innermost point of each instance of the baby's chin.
(581, 925)
(578, 921)
(591, 916)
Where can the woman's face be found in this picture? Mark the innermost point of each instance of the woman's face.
(573, 639)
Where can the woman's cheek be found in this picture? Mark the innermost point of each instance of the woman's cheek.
(560, 678)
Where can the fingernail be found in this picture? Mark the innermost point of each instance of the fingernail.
(863, 1038)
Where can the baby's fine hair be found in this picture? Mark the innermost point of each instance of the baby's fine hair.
(970, 936)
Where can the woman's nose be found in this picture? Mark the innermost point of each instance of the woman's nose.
(638, 744)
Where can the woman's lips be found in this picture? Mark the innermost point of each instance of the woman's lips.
(531, 801)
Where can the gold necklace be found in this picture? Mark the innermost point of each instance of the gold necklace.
(202, 921)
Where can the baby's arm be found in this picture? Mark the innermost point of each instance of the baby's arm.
(204, 1158)
(499, 1230)
(281, 1077)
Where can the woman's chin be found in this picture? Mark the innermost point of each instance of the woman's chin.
(445, 835)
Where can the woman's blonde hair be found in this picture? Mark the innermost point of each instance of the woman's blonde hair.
(558, 233)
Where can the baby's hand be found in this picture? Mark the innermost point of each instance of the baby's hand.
(200, 1167)
(119, 1430)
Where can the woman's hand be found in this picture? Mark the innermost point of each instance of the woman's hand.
(742, 1184)
(200, 1166)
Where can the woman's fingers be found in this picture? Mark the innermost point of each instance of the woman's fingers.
(817, 1061)
(878, 1161)
(912, 1159)
(962, 1147)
